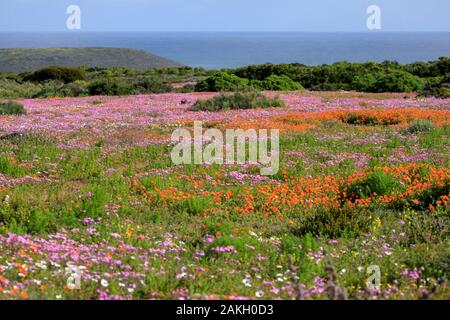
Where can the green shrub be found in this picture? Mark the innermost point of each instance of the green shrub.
(222, 81)
(437, 86)
(420, 125)
(356, 119)
(63, 74)
(379, 183)
(50, 88)
(111, 87)
(398, 81)
(11, 107)
(75, 89)
(10, 89)
(365, 83)
(239, 100)
(280, 83)
(336, 222)
(152, 85)
(389, 81)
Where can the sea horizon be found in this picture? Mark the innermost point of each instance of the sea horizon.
(231, 49)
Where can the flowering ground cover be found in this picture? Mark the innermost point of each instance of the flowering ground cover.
(87, 184)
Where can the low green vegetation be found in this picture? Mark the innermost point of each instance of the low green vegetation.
(63, 74)
(238, 100)
(426, 78)
(11, 108)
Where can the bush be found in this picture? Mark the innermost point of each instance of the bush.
(365, 83)
(75, 89)
(420, 125)
(379, 183)
(336, 222)
(111, 87)
(151, 85)
(437, 86)
(63, 74)
(397, 81)
(390, 81)
(51, 88)
(11, 107)
(222, 81)
(10, 89)
(239, 100)
(277, 83)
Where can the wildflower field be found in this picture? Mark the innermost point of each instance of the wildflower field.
(87, 184)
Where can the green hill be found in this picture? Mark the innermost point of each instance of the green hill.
(21, 60)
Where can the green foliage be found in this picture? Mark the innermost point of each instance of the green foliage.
(397, 81)
(437, 86)
(222, 81)
(420, 125)
(63, 74)
(428, 78)
(152, 85)
(336, 222)
(391, 81)
(377, 183)
(239, 100)
(276, 83)
(11, 108)
(110, 87)
(11, 89)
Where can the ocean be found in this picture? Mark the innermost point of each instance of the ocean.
(229, 50)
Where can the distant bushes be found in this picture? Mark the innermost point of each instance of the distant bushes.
(276, 83)
(396, 81)
(239, 100)
(7, 108)
(63, 74)
(151, 85)
(110, 87)
(427, 78)
(119, 87)
(437, 86)
(11, 89)
(222, 81)
(387, 76)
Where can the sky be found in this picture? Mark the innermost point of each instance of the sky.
(225, 15)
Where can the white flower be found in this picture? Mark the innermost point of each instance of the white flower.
(104, 283)
(58, 296)
(247, 282)
(130, 290)
(259, 293)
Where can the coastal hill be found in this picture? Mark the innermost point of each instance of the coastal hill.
(27, 59)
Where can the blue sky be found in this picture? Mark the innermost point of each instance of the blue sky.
(224, 15)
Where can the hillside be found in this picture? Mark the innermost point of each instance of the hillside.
(21, 60)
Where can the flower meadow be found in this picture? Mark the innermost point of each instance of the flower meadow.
(88, 190)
